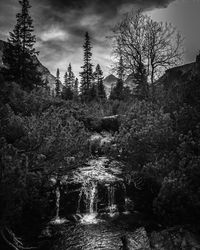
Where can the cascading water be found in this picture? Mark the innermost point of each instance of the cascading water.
(92, 198)
(95, 192)
(57, 219)
(89, 194)
(57, 203)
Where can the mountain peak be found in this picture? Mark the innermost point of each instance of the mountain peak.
(109, 82)
(110, 78)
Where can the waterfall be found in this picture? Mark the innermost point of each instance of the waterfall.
(92, 198)
(57, 202)
(57, 219)
(89, 194)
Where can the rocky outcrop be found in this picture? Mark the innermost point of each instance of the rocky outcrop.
(46, 75)
(174, 84)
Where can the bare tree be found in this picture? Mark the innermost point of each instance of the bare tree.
(142, 41)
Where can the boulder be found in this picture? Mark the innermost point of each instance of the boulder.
(174, 239)
(138, 240)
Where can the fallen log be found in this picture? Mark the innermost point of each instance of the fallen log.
(106, 123)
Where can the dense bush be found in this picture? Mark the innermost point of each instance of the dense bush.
(43, 136)
(165, 148)
(179, 197)
(145, 134)
(38, 139)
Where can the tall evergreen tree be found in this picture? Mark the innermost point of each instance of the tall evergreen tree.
(46, 85)
(69, 84)
(76, 84)
(120, 69)
(19, 54)
(118, 91)
(86, 74)
(69, 77)
(100, 89)
(66, 78)
(58, 83)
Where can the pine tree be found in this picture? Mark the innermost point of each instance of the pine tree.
(92, 92)
(69, 80)
(46, 85)
(19, 54)
(120, 69)
(76, 83)
(100, 89)
(86, 74)
(58, 84)
(69, 77)
(66, 79)
(118, 91)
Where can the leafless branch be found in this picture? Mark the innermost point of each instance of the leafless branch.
(140, 40)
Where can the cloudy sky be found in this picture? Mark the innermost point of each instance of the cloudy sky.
(60, 26)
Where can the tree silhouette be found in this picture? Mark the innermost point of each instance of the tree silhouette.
(69, 84)
(141, 41)
(19, 53)
(76, 84)
(58, 84)
(69, 77)
(86, 74)
(98, 78)
(117, 91)
(140, 79)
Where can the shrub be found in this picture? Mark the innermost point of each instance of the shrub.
(145, 134)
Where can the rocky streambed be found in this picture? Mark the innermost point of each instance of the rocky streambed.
(96, 208)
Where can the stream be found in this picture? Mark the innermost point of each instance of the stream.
(93, 210)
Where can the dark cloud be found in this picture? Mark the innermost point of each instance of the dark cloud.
(104, 5)
(60, 26)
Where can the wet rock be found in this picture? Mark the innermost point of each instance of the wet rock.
(174, 239)
(138, 240)
(100, 143)
(74, 217)
(46, 233)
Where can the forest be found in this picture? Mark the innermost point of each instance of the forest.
(152, 131)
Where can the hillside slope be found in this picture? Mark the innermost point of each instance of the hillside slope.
(177, 83)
